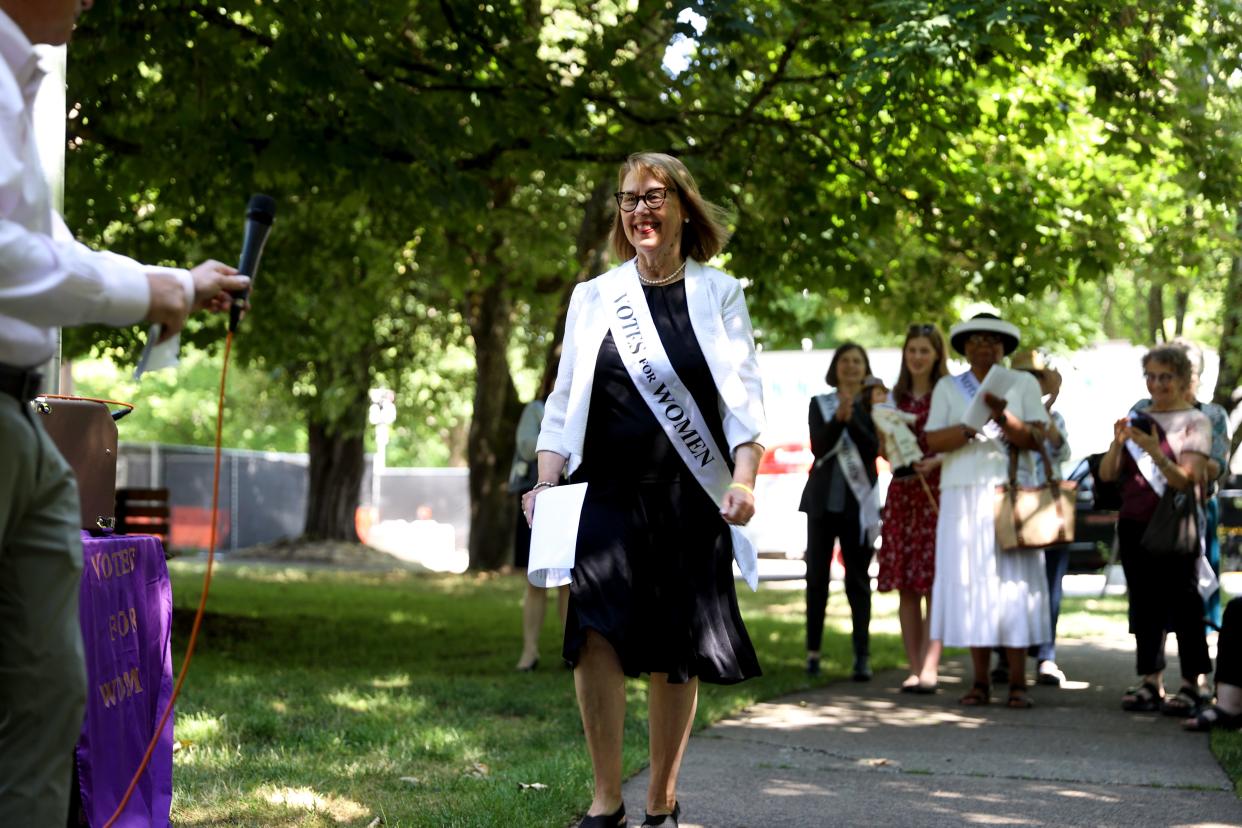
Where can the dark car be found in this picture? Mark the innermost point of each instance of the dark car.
(1095, 517)
(1230, 498)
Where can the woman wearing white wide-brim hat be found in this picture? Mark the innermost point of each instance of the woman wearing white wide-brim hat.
(982, 597)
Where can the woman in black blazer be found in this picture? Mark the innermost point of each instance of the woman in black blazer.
(844, 442)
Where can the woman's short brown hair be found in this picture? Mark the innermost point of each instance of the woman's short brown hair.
(844, 348)
(705, 234)
(1172, 356)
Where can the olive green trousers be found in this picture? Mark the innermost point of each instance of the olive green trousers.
(42, 672)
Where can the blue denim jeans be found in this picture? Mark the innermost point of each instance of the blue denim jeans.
(1056, 563)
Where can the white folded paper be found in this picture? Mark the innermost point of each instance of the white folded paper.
(554, 535)
(745, 559)
(158, 356)
(1205, 578)
(999, 381)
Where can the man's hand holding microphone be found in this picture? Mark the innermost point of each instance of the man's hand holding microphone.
(213, 282)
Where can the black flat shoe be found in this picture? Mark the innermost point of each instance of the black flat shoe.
(1213, 717)
(614, 820)
(665, 820)
(812, 666)
(862, 669)
(529, 668)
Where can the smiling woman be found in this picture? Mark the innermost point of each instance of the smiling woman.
(658, 408)
(1162, 450)
(841, 503)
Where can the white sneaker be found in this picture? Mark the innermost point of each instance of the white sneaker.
(1050, 674)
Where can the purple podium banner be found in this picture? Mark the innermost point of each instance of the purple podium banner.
(126, 615)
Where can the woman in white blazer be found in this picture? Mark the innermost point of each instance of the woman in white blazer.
(658, 406)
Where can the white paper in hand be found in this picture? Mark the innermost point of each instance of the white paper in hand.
(554, 535)
(156, 357)
(999, 381)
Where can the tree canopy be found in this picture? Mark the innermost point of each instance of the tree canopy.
(443, 174)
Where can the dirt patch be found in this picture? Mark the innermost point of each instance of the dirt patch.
(326, 552)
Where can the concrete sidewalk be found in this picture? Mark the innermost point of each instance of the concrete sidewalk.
(865, 754)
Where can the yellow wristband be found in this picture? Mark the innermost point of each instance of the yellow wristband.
(743, 487)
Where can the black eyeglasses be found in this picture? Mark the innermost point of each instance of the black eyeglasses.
(921, 330)
(1161, 378)
(628, 202)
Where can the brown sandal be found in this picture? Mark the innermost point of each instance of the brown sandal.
(1019, 698)
(977, 695)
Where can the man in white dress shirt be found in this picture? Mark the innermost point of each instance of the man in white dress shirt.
(47, 280)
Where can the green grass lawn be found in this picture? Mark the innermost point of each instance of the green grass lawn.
(320, 697)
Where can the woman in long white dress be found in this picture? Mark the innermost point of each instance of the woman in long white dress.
(983, 597)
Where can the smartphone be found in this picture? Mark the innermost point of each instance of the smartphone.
(1143, 423)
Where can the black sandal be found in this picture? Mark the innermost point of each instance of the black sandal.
(1213, 718)
(1142, 699)
(977, 695)
(667, 820)
(1019, 698)
(1183, 705)
(614, 820)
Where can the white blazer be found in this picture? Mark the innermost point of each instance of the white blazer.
(722, 326)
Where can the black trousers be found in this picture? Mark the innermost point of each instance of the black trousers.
(1163, 596)
(822, 530)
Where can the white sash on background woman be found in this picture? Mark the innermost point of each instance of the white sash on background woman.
(969, 386)
(1207, 580)
(850, 461)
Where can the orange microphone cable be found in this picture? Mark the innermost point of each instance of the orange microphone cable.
(130, 406)
(202, 601)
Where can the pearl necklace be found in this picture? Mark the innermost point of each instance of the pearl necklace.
(665, 280)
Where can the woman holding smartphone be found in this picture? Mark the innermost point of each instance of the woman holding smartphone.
(1166, 445)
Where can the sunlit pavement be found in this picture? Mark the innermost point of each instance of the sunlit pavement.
(865, 754)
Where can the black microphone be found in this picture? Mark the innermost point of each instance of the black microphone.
(259, 214)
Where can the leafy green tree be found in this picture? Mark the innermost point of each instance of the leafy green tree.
(443, 175)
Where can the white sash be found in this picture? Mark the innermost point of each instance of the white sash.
(642, 353)
(969, 386)
(1204, 576)
(1147, 467)
(850, 461)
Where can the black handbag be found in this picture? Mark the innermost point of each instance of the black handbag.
(1105, 494)
(1174, 529)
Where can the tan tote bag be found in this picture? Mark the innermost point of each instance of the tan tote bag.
(1033, 517)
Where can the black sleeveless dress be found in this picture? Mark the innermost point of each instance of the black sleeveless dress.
(654, 563)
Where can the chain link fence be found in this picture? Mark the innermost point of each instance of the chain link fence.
(263, 494)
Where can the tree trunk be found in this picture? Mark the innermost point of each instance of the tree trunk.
(490, 445)
(457, 437)
(335, 480)
(1181, 303)
(491, 442)
(1108, 292)
(1155, 312)
(592, 254)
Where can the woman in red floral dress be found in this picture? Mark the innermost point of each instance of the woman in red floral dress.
(908, 551)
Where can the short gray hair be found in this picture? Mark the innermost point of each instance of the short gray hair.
(1173, 356)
